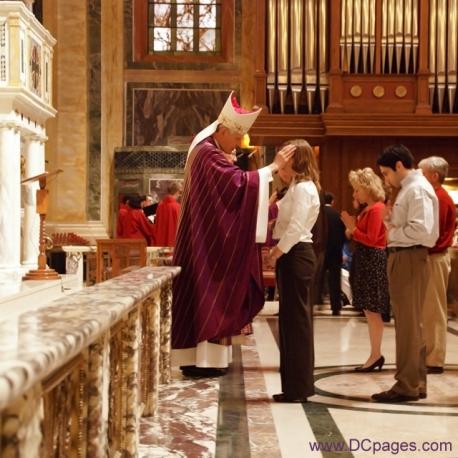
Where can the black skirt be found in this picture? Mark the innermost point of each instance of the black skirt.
(368, 279)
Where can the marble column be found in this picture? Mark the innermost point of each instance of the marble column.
(10, 207)
(34, 155)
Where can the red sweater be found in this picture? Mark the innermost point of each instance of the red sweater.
(446, 221)
(370, 228)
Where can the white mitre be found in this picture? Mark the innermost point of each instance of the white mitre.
(233, 117)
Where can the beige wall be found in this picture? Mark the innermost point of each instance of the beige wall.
(67, 147)
(112, 97)
(67, 133)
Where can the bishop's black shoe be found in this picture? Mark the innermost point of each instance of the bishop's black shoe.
(194, 371)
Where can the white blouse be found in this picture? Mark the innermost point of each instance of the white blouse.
(297, 214)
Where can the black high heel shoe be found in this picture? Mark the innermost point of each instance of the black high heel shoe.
(378, 364)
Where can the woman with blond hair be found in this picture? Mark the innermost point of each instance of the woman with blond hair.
(295, 267)
(368, 277)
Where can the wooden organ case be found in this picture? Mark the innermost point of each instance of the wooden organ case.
(353, 76)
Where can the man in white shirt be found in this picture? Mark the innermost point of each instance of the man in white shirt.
(412, 227)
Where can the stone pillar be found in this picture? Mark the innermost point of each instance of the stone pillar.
(10, 207)
(34, 155)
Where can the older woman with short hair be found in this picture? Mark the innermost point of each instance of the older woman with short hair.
(368, 277)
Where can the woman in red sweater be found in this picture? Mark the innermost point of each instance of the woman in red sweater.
(368, 271)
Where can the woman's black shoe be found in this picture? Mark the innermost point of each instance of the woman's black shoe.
(281, 397)
(378, 364)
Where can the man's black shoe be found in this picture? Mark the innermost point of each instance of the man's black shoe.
(435, 370)
(391, 396)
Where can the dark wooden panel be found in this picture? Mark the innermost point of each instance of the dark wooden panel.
(339, 155)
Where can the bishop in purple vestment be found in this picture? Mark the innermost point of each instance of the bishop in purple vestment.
(223, 216)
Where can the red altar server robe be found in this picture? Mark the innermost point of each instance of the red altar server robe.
(166, 223)
(135, 225)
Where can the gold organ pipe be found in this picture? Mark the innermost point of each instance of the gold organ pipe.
(415, 39)
(271, 49)
(399, 31)
(407, 31)
(391, 32)
(297, 38)
(357, 32)
(272, 19)
(365, 31)
(384, 39)
(310, 41)
(441, 35)
(432, 38)
(282, 38)
(432, 48)
(323, 36)
(372, 21)
(452, 46)
(310, 51)
(323, 57)
(296, 47)
(343, 37)
(452, 51)
(349, 31)
(441, 49)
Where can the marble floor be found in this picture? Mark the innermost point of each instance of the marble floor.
(233, 416)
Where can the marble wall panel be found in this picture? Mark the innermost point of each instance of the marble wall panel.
(170, 115)
(94, 108)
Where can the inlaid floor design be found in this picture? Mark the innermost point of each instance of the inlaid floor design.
(233, 416)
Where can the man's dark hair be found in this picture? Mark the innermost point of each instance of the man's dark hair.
(394, 153)
(329, 198)
(135, 201)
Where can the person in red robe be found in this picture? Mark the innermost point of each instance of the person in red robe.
(122, 212)
(134, 224)
(167, 214)
(224, 213)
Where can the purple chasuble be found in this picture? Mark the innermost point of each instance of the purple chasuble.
(220, 288)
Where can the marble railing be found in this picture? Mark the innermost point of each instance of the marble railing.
(77, 374)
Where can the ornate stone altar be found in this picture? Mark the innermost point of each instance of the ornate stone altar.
(26, 50)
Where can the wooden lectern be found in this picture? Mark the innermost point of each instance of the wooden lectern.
(43, 272)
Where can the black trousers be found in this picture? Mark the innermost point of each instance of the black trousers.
(333, 263)
(294, 272)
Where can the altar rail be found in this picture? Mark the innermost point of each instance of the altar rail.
(77, 374)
